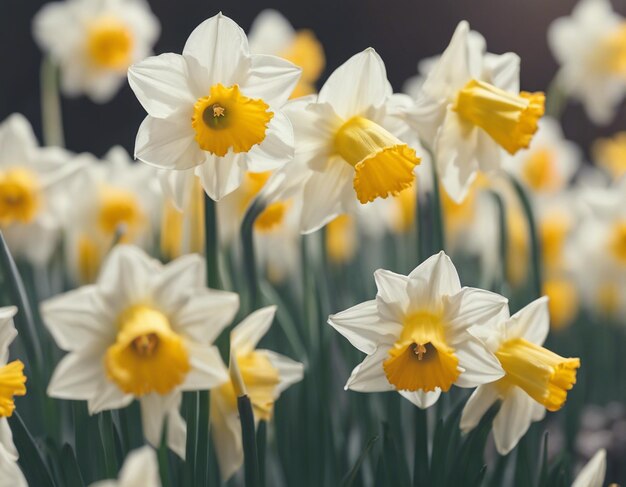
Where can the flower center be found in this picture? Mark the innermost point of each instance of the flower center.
(421, 358)
(12, 380)
(119, 211)
(540, 172)
(110, 44)
(611, 55)
(261, 379)
(542, 374)
(19, 196)
(510, 120)
(617, 242)
(147, 356)
(553, 232)
(341, 239)
(226, 120)
(610, 154)
(89, 257)
(383, 165)
(271, 217)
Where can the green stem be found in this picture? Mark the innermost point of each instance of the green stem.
(108, 443)
(190, 401)
(51, 116)
(248, 436)
(420, 464)
(261, 440)
(534, 236)
(503, 244)
(439, 240)
(202, 456)
(249, 258)
(556, 98)
(211, 245)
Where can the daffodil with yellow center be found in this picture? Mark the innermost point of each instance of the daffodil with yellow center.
(341, 239)
(518, 246)
(611, 55)
(19, 196)
(144, 331)
(216, 112)
(415, 333)
(458, 216)
(563, 301)
(610, 155)
(109, 43)
(535, 378)
(539, 171)
(617, 241)
(554, 229)
(261, 374)
(120, 211)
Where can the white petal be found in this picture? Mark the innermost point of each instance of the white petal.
(205, 315)
(477, 405)
(324, 194)
(79, 319)
(392, 298)
(513, 420)
(246, 335)
(140, 468)
(221, 48)
(154, 409)
(161, 84)
(7, 331)
(289, 371)
(78, 375)
(6, 439)
(109, 396)
(176, 433)
(433, 279)
(363, 328)
(168, 144)
(226, 435)
(479, 364)
(270, 33)
(10, 473)
(277, 148)
(222, 175)
(531, 322)
(504, 71)
(207, 368)
(593, 473)
(472, 306)
(422, 399)
(272, 79)
(17, 141)
(369, 375)
(177, 185)
(172, 285)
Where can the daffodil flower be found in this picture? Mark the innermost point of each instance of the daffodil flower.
(143, 331)
(415, 333)
(469, 111)
(535, 378)
(12, 383)
(590, 46)
(140, 469)
(35, 184)
(593, 473)
(215, 108)
(610, 155)
(94, 42)
(265, 375)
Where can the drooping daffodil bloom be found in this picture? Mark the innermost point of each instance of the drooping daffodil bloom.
(143, 331)
(94, 42)
(535, 378)
(415, 333)
(265, 375)
(140, 469)
(470, 111)
(215, 109)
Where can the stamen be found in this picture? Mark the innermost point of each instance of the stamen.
(419, 350)
(146, 345)
(218, 111)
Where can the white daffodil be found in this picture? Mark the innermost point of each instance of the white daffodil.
(265, 374)
(94, 42)
(271, 33)
(590, 46)
(118, 201)
(12, 383)
(610, 155)
(348, 136)
(470, 108)
(549, 163)
(140, 469)
(535, 378)
(35, 184)
(215, 108)
(143, 331)
(415, 333)
(593, 473)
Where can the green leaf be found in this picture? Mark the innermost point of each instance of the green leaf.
(69, 465)
(350, 477)
(32, 459)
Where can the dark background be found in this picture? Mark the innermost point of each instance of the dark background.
(402, 31)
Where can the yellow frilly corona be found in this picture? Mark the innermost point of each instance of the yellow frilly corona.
(19, 196)
(109, 44)
(12, 383)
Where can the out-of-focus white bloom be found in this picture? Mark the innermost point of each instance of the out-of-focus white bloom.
(143, 331)
(271, 33)
(590, 46)
(215, 109)
(118, 200)
(535, 378)
(549, 163)
(415, 333)
(348, 137)
(265, 374)
(593, 473)
(35, 185)
(470, 108)
(94, 42)
(610, 155)
(140, 469)
(12, 382)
